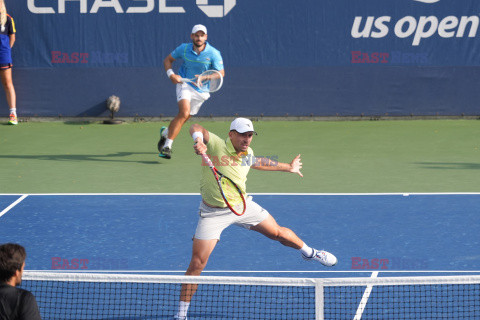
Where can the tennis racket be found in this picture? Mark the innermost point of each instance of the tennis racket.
(208, 81)
(231, 193)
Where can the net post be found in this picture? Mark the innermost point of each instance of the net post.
(319, 300)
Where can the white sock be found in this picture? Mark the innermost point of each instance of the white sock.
(306, 251)
(168, 143)
(13, 111)
(165, 132)
(183, 309)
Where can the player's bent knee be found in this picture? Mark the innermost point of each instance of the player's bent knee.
(197, 264)
(184, 115)
(277, 235)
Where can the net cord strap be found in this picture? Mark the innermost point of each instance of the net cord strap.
(319, 301)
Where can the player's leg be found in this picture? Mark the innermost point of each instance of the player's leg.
(177, 123)
(201, 250)
(189, 103)
(211, 223)
(6, 78)
(170, 133)
(270, 228)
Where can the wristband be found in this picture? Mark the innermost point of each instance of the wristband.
(170, 72)
(197, 134)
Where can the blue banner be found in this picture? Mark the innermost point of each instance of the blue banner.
(361, 43)
(140, 33)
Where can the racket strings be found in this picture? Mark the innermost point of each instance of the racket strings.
(210, 81)
(231, 192)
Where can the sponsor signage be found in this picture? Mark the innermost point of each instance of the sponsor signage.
(132, 6)
(311, 33)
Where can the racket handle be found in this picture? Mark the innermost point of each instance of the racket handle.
(208, 161)
(184, 80)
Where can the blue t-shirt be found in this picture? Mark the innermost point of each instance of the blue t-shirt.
(5, 50)
(193, 63)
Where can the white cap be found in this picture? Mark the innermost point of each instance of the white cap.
(199, 27)
(242, 125)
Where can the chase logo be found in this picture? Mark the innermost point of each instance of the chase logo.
(216, 11)
(126, 6)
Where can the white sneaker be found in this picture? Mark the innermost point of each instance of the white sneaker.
(324, 257)
(176, 317)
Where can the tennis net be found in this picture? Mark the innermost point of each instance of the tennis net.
(125, 296)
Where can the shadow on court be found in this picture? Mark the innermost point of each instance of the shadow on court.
(111, 157)
(449, 165)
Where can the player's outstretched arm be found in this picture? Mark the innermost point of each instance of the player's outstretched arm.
(267, 164)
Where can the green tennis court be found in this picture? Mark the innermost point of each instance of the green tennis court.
(338, 157)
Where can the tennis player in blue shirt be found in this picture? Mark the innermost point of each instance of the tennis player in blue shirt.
(198, 56)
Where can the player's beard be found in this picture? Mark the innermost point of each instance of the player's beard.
(198, 46)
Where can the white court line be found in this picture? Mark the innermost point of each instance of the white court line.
(258, 194)
(363, 302)
(369, 194)
(104, 194)
(13, 205)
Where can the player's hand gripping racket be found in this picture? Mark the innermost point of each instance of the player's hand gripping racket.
(208, 81)
(231, 193)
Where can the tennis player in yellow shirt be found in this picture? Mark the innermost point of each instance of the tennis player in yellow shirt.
(235, 158)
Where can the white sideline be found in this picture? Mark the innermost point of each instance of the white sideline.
(253, 194)
(363, 302)
(13, 205)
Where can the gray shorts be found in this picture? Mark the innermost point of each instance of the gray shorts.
(212, 221)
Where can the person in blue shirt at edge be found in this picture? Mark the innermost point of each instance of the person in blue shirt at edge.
(198, 56)
(7, 39)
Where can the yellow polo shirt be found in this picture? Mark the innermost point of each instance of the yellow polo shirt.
(225, 159)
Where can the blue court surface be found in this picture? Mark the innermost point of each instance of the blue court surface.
(400, 233)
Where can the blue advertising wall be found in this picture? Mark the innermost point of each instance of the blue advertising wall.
(326, 58)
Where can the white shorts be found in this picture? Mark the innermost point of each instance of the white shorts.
(212, 221)
(185, 91)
